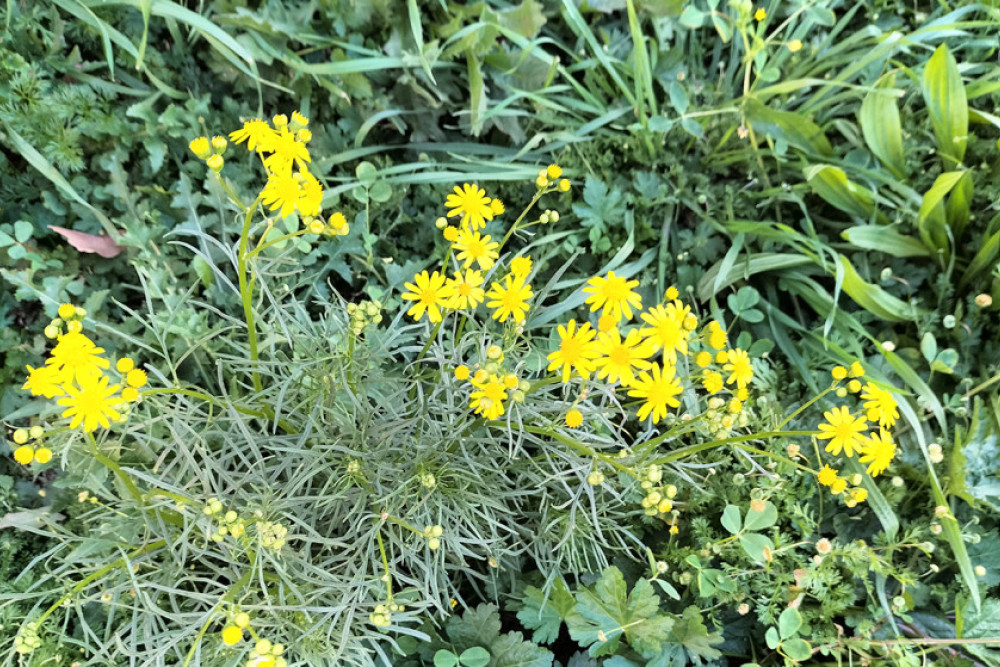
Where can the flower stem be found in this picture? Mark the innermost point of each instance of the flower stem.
(246, 293)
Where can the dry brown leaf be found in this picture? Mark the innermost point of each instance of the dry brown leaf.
(102, 245)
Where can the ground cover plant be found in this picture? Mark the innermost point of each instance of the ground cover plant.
(606, 333)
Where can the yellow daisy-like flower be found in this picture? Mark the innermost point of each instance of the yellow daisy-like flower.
(462, 372)
(740, 368)
(577, 351)
(760, 14)
(299, 120)
(257, 133)
(286, 151)
(497, 207)
(67, 310)
(473, 248)
(880, 405)
(614, 294)
(46, 381)
(717, 335)
(621, 358)
(136, 378)
(310, 194)
(426, 291)
(574, 418)
(659, 387)
(488, 398)
(24, 454)
(92, 403)
(232, 635)
(666, 330)
(712, 381)
(520, 266)
(703, 359)
(200, 147)
(843, 430)
(827, 476)
(281, 192)
(470, 202)
(510, 299)
(878, 451)
(464, 291)
(77, 357)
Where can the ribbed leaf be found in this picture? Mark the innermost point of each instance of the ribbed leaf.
(794, 128)
(873, 298)
(932, 222)
(947, 105)
(832, 184)
(881, 128)
(885, 239)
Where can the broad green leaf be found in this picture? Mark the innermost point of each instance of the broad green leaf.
(873, 298)
(445, 658)
(545, 616)
(476, 656)
(885, 239)
(718, 278)
(932, 222)
(795, 128)
(944, 93)
(478, 626)
(477, 93)
(689, 635)
(832, 184)
(731, 519)
(766, 518)
(609, 612)
(772, 638)
(512, 650)
(758, 547)
(789, 623)
(880, 126)
(797, 649)
(928, 346)
(23, 230)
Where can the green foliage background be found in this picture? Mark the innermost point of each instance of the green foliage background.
(759, 190)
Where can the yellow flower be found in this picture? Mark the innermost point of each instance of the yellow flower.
(717, 335)
(510, 381)
(881, 405)
(257, 133)
(136, 378)
(285, 152)
(462, 372)
(43, 455)
(464, 291)
(614, 294)
(666, 329)
(130, 394)
(281, 192)
(450, 234)
(760, 14)
(496, 206)
(712, 381)
(739, 367)
(427, 293)
(488, 398)
(66, 311)
(621, 358)
(201, 148)
(703, 359)
(92, 403)
(577, 351)
(472, 248)
(854, 386)
(878, 451)
(232, 635)
(520, 266)
(843, 430)
(794, 45)
(671, 293)
(470, 202)
(574, 418)
(338, 224)
(857, 370)
(310, 195)
(742, 393)
(827, 476)
(606, 323)
(659, 388)
(553, 171)
(77, 357)
(838, 372)
(46, 381)
(838, 485)
(299, 120)
(24, 454)
(510, 299)
(124, 365)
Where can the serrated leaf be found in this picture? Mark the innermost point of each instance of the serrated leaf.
(511, 650)
(609, 612)
(479, 626)
(689, 635)
(526, 19)
(543, 616)
(947, 105)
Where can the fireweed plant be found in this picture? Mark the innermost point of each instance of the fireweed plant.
(361, 469)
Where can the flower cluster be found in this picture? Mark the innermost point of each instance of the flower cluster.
(644, 358)
(492, 384)
(228, 523)
(265, 653)
(364, 314)
(75, 373)
(848, 432)
(282, 147)
(27, 639)
(25, 453)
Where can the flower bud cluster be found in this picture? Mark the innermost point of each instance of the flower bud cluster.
(272, 535)
(227, 523)
(267, 654)
(27, 639)
(25, 453)
(433, 535)
(382, 616)
(364, 314)
(659, 498)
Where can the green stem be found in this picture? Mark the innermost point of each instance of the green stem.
(805, 406)
(263, 414)
(246, 294)
(385, 564)
(531, 204)
(261, 248)
(86, 581)
(232, 194)
(228, 597)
